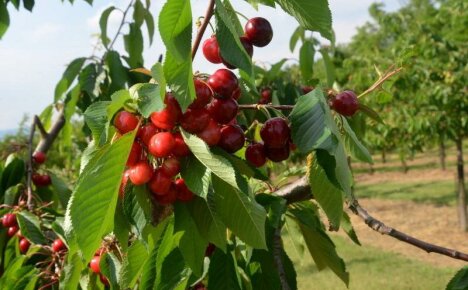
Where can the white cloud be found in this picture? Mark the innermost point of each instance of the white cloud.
(45, 31)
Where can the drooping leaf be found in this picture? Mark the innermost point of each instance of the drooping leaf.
(110, 267)
(61, 189)
(459, 281)
(179, 76)
(297, 34)
(117, 72)
(13, 172)
(96, 119)
(354, 145)
(157, 73)
(136, 206)
(30, 227)
(132, 265)
(222, 272)
(196, 176)
(4, 19)
(71, 272)
(149, 20)
(139, 12)
(68, 77)
(133, 42)
(348, 228)
(306, 60)
(103, 25)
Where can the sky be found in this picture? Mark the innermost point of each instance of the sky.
(38, 45)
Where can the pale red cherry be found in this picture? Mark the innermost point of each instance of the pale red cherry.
(161, 144)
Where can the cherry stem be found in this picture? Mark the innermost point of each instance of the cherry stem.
(388, 74)
(201, 31)
(261, 107)
(122, 22)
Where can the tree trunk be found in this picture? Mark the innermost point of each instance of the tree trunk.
(442, 153)
(405, 165)
(462, 210)
(371, 169)
(384, 156)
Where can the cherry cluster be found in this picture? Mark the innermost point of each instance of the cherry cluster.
(9, 221)
(40, 180)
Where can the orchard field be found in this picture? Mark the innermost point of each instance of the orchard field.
(340, 166)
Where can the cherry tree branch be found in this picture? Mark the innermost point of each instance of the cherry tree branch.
(29, 165)
(122, 22)
(381, 80)
(300, 191)
(204, 25)
(260, 107)
(47, 140)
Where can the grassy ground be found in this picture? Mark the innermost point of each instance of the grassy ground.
(369, 268)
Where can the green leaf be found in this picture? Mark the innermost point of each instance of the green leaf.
(13, 173)
(179, 76)
(61, 188)
(133, 42)
(459, 281)
(321, 247)
(136, 205)
(241, 213)
(354, 145)
(312, 15)
(306, 60)
(329, 67)
(196, 176)
(264, 274)
(71, 272)
(117, 72)
(231, 48)
(139, 12)
(222, 272)
(348, 228)
(96, 119)
(132, 265)
(241, 165)
(30, 227)
(173, 272)
(297, 34)
(70, 107)
(103, 25)
(148, 98)
(28, 4)
(369, 112)
(231, 12)
(310, 123)
(149, 20)
(157, 73)
(175, 27)
(92, 205)
(46, 116)
(68, 77)
(192, 244)
(4, 18)
(110, 267)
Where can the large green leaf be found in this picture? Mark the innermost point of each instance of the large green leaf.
(30, 227)
(179, 76)
(354, 145)
(71, 272)
(306, 60)
(459, 281)
(61, 188)
(196, 176)
(329, 67)
(137, 207)
(4, 19)
(103, 25)
(175, 27)
(133, 42)
(96, 119)
(68, 77)
(147, 98)
(92, 205)
(132, 265)
(118, 74)
(240, 212)
(241, 165)
(223, 272)
(312, 15)
(230, 46)
(13, 172)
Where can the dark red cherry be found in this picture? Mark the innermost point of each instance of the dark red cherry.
(183, 192)
(180, 148)
(211, 134)
(39, 157)
(195, 120)
(203, 93)
(236, 94)
(307, 89)
(146, 132)
(223, 83)
(12, 231)
(125, 122)
(345, 103)
(223, 110)
(211, 50)
(141, 173)
(171, 166)
(161, 144)
(160, 183)
(135, 154)
(9, 220)
(275, 133)
(232, 138)
(168, 117)
(169, 198)
(277, 154)
(259, 32)
(24, 245)
(265, 96)
(255, 154)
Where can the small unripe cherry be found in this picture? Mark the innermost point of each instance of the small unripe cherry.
(135, 154)
(39, 157)
(125, 122)
(345, 103)
(169, 198)
(94, 264)
(211, 134)
(160, 183)
(232, 138)
(24, 245)
(210, 49)
(204, 94)
(58, 245)
(141, 173)
(146, 132)
(259, 32)
(9, 220)
(275, 133)
(168, 117)
(223, 83)
(255, 154)
(12, 231)
(223, 110)
(277, 154)
(183, 192)
(195, 120)
(180, 147)
(161, 144)
(171, 167)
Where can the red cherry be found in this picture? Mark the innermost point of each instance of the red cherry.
(125, 122)
(58, 245)
(24, 245)
(248, 48)
(104, 280)
(223, 83)
(123, 182)
(265, 96)
(171, 167)
(203, 93)
(41, 180)
(345, 103)
(12, 231)
(211, 134)
(159, 183)
(232, 138)
(9, 220)
(255, 154)
(223, 110)
(39, 157)
(135, 154)
(94, 264)
(180, 148)
(211, 50)
(146, 132)
(277, 154)
(100, 251)
(209, 250)
(169, 198)
(161, 144)
(46, 180)
(183, 192)
(307, 89)
(236, 94)
(169, 116)
(141, 173)
(258, 30)
(275, 133)
(199, 286)
(195, 120)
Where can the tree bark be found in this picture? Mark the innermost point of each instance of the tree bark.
(405, 165)
(384, 156)
(442, 153)
(462, 210)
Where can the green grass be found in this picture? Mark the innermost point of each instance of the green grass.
(440, 192)
(369, 269)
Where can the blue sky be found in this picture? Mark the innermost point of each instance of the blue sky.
(38, 45)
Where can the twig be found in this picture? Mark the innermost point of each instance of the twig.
(45, 143)
(40, 126)
(261, 107)
(122, 22)
(380, 81)
(30, 166)
(300, 191)
(277, 255)
(201, 31)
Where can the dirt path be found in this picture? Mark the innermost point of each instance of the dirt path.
(435, 224)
